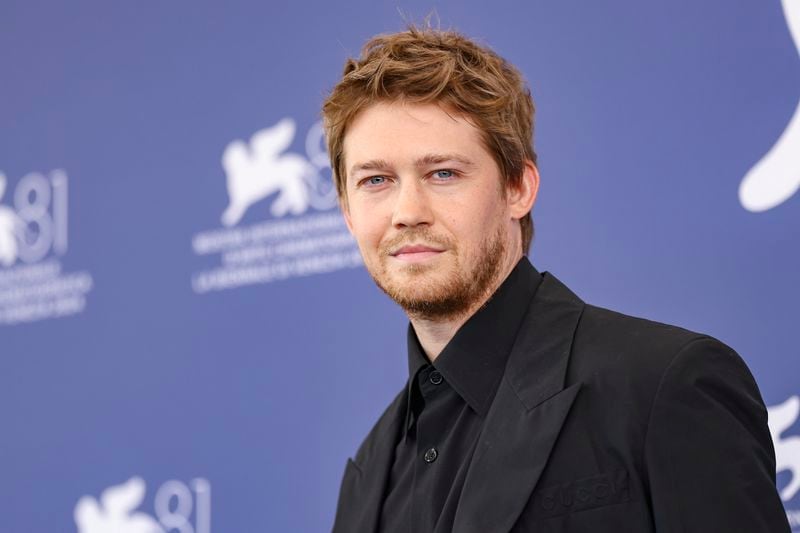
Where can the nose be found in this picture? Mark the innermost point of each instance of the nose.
(412, 207)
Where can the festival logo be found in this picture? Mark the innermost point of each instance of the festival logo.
(775, 178)
(303, 233)
(11, 229)
(177, 508)
(787, 450)
(33, 236)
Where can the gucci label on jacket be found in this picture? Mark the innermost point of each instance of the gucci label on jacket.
(582, 494)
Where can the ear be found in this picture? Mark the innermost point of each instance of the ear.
(522, 196)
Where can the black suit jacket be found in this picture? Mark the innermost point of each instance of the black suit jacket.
(602, 423)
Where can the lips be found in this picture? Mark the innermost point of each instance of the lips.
(415, 253)
(415, 249)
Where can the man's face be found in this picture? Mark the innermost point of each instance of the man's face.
(426, 205)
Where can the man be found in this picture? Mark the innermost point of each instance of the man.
(526, 409)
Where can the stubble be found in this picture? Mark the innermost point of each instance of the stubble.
(425, 293)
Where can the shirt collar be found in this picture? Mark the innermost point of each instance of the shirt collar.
(474, 360)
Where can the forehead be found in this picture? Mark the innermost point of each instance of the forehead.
(399, 132)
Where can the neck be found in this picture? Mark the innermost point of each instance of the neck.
(434, 335)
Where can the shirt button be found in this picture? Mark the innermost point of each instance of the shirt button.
(431, 455)
(436, 377)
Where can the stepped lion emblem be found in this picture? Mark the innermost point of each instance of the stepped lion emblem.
(11, 227)
(775, 178)
(115, 511)
(260, 169)
(787, 450)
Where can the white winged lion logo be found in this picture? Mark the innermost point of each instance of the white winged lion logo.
(256, 171)
(10, 228)
(115, 512)
(775, 178)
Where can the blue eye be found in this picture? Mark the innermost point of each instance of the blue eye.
(376, 180)
(444, 174)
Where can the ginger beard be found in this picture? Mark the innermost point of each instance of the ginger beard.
(435, 291)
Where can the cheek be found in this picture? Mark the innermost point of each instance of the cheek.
(472, 219)
(367, 230)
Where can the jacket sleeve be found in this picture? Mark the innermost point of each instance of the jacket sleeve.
(708, 453)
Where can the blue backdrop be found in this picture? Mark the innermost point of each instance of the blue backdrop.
(187, 340)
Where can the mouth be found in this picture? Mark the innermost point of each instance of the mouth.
(414, 253)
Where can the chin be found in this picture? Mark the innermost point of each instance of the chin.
(426, 294)
(422, 278)
(441, 288)
(415, 271)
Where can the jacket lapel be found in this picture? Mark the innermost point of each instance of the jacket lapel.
(365, 478)
(526, 415)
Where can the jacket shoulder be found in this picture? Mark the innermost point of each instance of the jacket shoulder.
(609, 336)
(625, 360)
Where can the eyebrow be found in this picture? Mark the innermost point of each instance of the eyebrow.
(424, 161)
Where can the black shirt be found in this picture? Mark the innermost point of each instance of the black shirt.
(447, 404)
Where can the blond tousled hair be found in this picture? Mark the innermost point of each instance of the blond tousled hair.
(426, 65)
